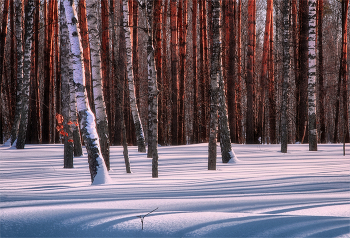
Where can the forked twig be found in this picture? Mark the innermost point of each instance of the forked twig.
(143, 217)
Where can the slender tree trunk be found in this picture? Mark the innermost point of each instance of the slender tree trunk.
(214, 76)
(19, 39)
(174, 73)
(230, 69)
(12, 84)
(98, 170)
(301, 83)
(86, 51)
(225, 139)
(130, 76)
(3, 34)
(66, 74)
(272, 101)
(28, 40)
(239, 75)
(166, 84)
(182, 22)
(159, 64)
(250, 120)
(286, 75)
(264, 78)
(195, 77)
(312, 77)
(320, 70)
(152, 92)
(105, 62)
(96, 73)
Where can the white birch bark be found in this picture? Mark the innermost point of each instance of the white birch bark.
(129, 69)
(19, 39)
(98, 169)
(28, 42)
(66, 74)
(312, 77)
(100, 107)
(286, 75)
(214, 89)
(227, 154)
(152, 95)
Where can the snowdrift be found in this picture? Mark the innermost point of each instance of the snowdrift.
(265, 194)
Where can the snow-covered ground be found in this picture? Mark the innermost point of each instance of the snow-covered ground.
(266, 194)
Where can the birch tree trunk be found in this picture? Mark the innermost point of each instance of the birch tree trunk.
(286, 74)
(301, 83)
(96, 71)
(134, 110)
(227, 154)
(98, 170)
(78, 150)
(152, 94)
(119, 91)
(19, 39)
(66, 74)
(312, 77)
(214, 90)
(28, 40)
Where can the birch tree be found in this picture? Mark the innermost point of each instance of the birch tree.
(19, 39)
(152, 92)
(28, 40)
(134, 110)
(214, 89)
(286, 74)
(66, 74)
(96, 71)
(98, 169)
(312, 77)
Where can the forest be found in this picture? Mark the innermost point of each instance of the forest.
(173, 72)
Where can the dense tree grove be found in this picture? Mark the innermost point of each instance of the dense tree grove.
(174, 72)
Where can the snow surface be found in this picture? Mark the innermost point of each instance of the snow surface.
(265, 194)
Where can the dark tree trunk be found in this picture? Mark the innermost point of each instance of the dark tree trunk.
(301, 83)
(2, 55)
(174, 73)
(28, 40)
(250, 119)
(321, 91)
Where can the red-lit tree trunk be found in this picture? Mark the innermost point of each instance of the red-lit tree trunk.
(105, 61)
(272, 101)
(239, 75)
(250, 120)
(263, 77)
(174, 72)
(86, 51)
(182, 22)
(194, 68)
(231, 77)
(47, 132)
(2, 54)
